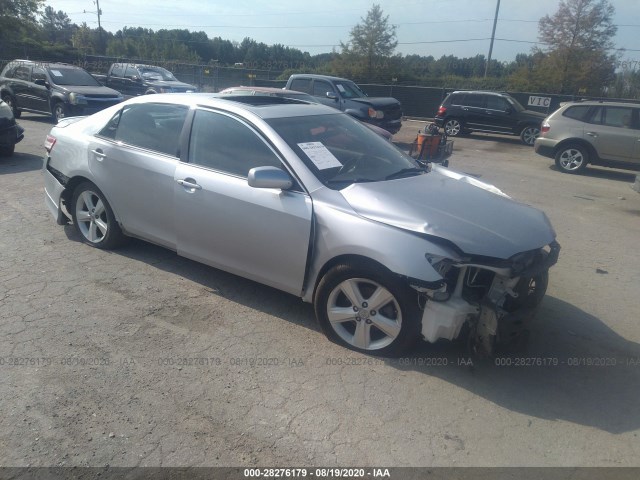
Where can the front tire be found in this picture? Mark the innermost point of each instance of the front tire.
(529, 134)
(453, 127)
(572, 159)
(366, 308)
(58, 112)
(93, 218)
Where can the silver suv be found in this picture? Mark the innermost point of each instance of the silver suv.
(600, 133)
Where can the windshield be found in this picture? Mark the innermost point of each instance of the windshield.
(72, 76)
(156, 73)
(349, 89)
(340, 150)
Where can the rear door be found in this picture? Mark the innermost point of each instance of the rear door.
(611, 132)
(133, 160)
(258, 233)
(473, 107)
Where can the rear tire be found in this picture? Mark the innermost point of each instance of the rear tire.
(7, 151)
(453, 127)
(368, 309)
(93, 218)
(572, 158)
(8, 99)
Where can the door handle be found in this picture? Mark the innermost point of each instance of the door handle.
(592, 134)
(100, 155)
(187, 184)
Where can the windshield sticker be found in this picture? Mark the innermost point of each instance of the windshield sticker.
(319, 155)
(56, 73)
(341, 88)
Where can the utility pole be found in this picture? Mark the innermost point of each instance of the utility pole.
(493, 36)
(100, 26)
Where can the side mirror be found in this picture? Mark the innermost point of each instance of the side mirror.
(509, 109)
(42, 82)
(332, 96)
(269, 177)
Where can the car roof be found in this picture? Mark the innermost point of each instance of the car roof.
(263, 106)
(590, 103)
(45, 64)
(319, 77)
(264, 90)
(484, 92)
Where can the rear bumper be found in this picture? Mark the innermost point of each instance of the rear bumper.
(545, 147)
(53, 191)
(12, 135)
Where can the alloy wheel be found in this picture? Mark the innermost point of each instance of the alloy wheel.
(91, 216)
(364, 314)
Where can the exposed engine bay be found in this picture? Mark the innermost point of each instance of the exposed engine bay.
(491, 300)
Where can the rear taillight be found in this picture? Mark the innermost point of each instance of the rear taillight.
(545, 128)
(441, 111)
(49, 142)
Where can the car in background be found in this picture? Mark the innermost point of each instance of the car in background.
(10, 132)
(492, 112)
(346, 96)
(283, 92)
(55, 89)
(132, 79)
(306, 199)
(600, 133)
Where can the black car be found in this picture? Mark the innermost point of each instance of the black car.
(10, 132)
(55, 89)
(492, 112)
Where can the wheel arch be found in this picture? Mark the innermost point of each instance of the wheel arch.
(591, 151)
(73, 183)
(345, 258)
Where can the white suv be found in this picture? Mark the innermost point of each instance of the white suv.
(600, 133)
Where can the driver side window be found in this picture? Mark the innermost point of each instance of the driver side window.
(222, 143)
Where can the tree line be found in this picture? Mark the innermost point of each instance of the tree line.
(577, 57)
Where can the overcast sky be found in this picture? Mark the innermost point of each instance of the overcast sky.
(317, 27)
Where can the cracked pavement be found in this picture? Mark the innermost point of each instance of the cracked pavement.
(137, 357)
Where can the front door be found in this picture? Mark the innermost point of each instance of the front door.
(262, 234)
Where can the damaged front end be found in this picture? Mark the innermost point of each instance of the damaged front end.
(492, 300)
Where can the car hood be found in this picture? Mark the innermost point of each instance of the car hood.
(377, 101)
(477, 218)
(90, 90)
(170, 84)
(533, 115)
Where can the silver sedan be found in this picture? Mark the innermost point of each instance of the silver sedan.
(307, 200)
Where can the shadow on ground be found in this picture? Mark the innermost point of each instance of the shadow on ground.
(19, 163)
(574, 368)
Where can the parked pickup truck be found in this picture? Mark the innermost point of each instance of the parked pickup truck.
(133, 79)
(343, 94)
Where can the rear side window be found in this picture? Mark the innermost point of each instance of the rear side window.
(455, 99)
(474, 100)
(153, 126)
(617, 117)
(578, 112)
(301, 85)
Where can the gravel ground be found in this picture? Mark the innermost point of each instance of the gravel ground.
(138, 357)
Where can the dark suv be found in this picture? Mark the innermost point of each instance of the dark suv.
(55, 89)
(488, 112)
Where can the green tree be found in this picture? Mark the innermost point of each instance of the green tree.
(578, 39)
(373, 41)
(57, 26)
(17, 19)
